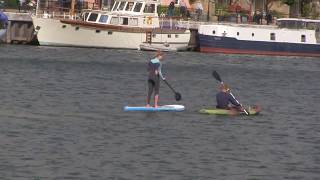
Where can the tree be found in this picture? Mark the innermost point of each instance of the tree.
(294, 7)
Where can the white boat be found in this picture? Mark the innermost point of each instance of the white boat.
(165, 47)
(128, 25)
(292, 37)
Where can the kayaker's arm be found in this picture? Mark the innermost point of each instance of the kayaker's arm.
(160, 73)
(234, 101)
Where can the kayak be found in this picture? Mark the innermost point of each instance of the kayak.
(255, 110)
(153, 109)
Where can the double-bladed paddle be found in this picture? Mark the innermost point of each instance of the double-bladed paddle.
(218, 78)
(177, 95)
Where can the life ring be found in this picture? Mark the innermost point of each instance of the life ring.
(149, 20)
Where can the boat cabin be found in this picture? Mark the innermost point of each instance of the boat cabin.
(293, 23)
(126, 13)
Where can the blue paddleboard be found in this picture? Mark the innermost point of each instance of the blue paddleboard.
(160, 108)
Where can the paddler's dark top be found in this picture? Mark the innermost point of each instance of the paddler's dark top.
(224, 99)
(153, 65)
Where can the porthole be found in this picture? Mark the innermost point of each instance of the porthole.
(64, 26)
(272, 36)
(77, 28)
(238, 33)
(109, 32)
(252, 34)
(303, 38)
(98, 31)
(213, 32)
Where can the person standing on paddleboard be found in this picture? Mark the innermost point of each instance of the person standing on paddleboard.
(225, 100)
(154, 70)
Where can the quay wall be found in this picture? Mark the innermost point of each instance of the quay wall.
(20, 29)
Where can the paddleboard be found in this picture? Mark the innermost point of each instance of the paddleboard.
(255, 110)
(153, 109)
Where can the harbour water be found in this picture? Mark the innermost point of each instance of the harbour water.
(61, 116)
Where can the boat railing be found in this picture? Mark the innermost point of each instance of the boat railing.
(171, 23)
(62, 9)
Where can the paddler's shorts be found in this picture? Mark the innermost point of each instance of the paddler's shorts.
(153, 84)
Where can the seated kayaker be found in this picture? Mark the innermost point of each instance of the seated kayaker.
(225, 100)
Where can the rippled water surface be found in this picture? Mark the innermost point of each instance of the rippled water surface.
(61, 116)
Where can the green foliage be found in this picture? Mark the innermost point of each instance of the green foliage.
(222, 10)
(11, 3)
(289, 2)
(164, 10)
(306, 10)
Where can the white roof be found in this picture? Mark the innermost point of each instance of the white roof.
(297, 19)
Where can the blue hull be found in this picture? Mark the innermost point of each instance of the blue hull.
(233, 46)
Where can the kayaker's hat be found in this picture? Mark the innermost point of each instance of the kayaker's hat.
(225, 87)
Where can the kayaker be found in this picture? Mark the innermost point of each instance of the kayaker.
(154, 70)
(225, 100)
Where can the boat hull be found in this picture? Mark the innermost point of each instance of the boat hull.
(54, 32)
(229, 45)
(255, 110)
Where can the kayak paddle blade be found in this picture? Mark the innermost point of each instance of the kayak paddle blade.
(216, 76)
(177, 96)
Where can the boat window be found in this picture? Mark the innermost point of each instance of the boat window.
(238, 33)
(169, 35)
(98, 31)
(124, 21)
(103, 19)
(213, 32)
(93, 17)
(129, 6)
(252, 34)
(311, 25)
(154, 35)
(303, 38)
(77, 28)
(115, 6)
(64, 26)
(114, 20)
(109, 32)
(272, 36)
(133, 21)
(137, 8)
(85, 16)
(292, 24)
(149, 8)
(121, 6)
(177, 35)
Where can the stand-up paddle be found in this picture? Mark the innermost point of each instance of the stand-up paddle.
(177, 95)
(218, 78)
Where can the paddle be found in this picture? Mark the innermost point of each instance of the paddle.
(177, 95)
(218, 78)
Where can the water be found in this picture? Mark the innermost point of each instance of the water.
(62, 116)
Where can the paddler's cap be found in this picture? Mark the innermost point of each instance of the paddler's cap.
(159, 53)
(225, 87)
